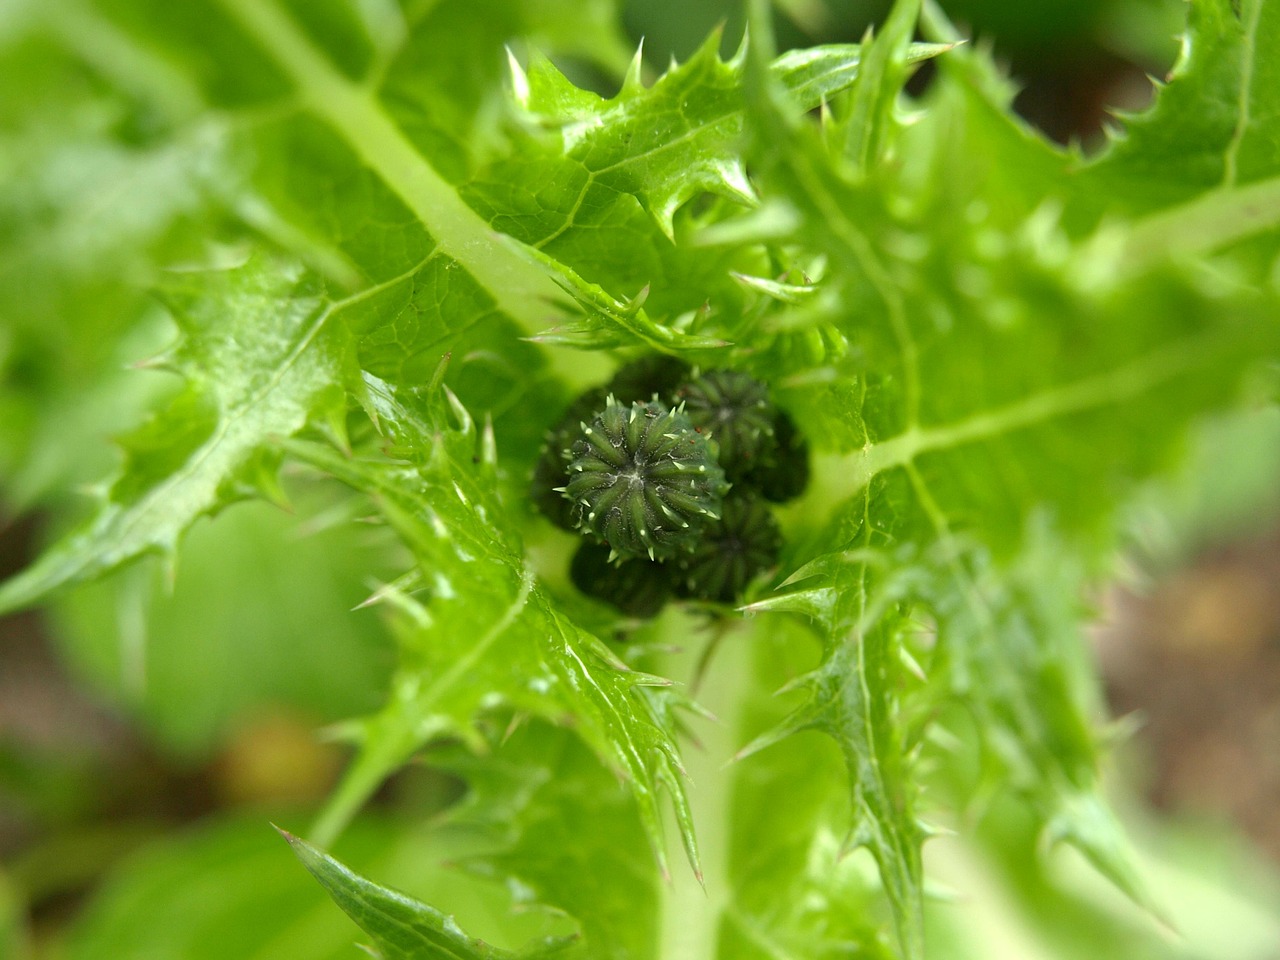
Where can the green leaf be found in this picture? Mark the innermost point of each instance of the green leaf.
(90, 206)
(1215, 124)
(856, 601)
(403, 928)
(361, 122)
(607, 322)
(629, 163)
(940, 339)
(228, 885)
(446, 84)
(261, 362)
(1198, 167)
(679, 137)
(487, 635)
(794, 883)
(968, 322)
(567, 837)
(193, 667)
(1016, 627)
(224, 886)
(875, 92)
(13, 936)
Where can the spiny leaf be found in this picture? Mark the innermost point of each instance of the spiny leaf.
(875, 91)
(567, 837)
(262, 360)
(486, 636)
(401, 927)
(669, 142)
(1010, 647)
(607, 322)
(512, 281)
(1215, 123)
(913, 330)
(1187, 347)
(801, 847)
(851, 696)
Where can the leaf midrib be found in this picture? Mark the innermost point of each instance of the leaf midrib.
(1131, 380)
(1244, 100)
(517, 285)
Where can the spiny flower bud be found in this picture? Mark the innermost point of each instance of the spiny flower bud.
(642, 480)
(734, 408)
(731, 551)
(550, 473)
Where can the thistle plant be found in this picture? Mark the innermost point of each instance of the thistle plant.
(360, 258)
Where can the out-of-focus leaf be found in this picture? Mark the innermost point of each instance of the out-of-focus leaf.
(194, 665)
(261, 362)
(568, 838)
(875, 92)
(403, 928)
(795, 883)
(955, 533)
(858, 602)
(446, 84)
(1216, 124)
(13, 936)
(229, 887)
(89, 205)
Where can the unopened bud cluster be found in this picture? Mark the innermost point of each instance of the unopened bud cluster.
(666, 474)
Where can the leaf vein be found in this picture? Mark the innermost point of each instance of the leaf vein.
(1245, 96)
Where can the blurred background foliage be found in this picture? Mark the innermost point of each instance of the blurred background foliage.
(148, 730)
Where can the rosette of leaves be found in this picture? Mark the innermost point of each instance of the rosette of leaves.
(732, 551)
(1007, 342)
(643, 481)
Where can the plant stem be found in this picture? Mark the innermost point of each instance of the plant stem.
(692, 911)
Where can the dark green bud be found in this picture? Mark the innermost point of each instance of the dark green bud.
(731, 551)
(642, 480)
(551, 473)
(637, 587)
(734, 408)
(654, 375)
(783, 474)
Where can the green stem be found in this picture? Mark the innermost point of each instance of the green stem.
(362, 779)
(692, 910)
